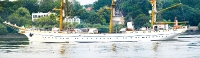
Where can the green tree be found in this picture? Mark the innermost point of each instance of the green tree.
(133, 8)
(3, 29)
(31, 5)
(48, 5)
(105, 15)
(46, 22)
(87, 5)
(141, 21)
(94, 18)
(76, 7)
(183, 13)
(8, 8)
(117, 27)
(1, 20)
(84, 15)
(199, 26)
(69, 10)
(101, 3)
(20, 17)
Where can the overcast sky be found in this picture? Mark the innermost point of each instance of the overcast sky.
(84, 2)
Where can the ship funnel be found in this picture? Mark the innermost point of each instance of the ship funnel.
(129, 25)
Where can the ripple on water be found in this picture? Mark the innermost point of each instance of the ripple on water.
(157, 49)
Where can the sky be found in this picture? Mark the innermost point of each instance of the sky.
(84, 2)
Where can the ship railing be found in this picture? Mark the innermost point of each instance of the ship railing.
(148, 31)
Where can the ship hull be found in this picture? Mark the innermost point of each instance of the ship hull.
(130, 37)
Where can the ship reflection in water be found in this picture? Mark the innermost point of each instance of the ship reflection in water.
(157, 49)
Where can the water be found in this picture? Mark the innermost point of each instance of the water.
(153, 49)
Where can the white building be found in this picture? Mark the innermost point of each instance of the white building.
(72, 20)
(67, 19)
(118, 18)
(39, 15)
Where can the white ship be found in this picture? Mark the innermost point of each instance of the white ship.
(128, 36)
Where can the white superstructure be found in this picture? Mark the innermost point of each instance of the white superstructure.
(50, 36)
(57, 36)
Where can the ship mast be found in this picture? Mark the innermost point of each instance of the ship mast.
(61, 16)
(153, 13)
(111, 15)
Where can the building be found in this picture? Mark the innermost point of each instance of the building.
(39, 15)
(88, 9)
(118, 18)
(72, 20)
(67, 19)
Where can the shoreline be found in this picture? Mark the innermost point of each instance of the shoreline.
(192, 32)
(12, 36)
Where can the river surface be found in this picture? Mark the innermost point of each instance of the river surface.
(141, 49)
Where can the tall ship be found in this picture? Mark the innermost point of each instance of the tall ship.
(155, 33)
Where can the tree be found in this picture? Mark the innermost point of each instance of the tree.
(69, 10)
(46, 22)
(20, 17)
(76, 7)
(141, 21)
(31, 5)
(133, 8)
(199, 26)
(105, 15)
(101, 3)
(3, 29)
(1, 20)
(87, 5)
(183, 13)
(84, 15)
(48, 5)
(83, 25)
(7, 8)
(117, 27)
(94, 18)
